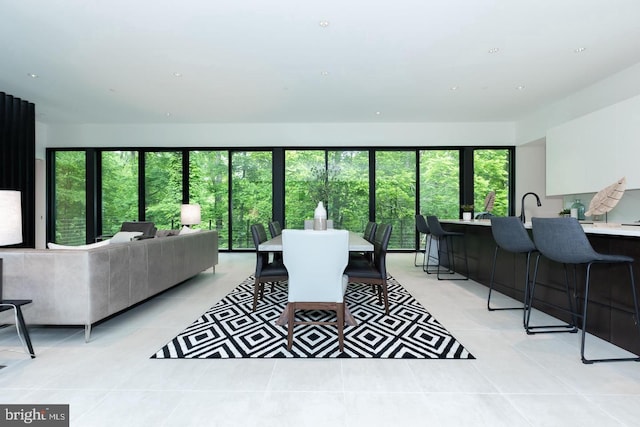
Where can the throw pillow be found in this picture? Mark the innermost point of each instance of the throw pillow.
(166, 233)
(125, 236)
(187, 230)
(51, 245)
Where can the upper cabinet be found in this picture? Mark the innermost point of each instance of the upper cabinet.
(591, 152)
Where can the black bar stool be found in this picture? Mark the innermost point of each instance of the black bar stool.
(511, 236)
(421, 228)
(445, 238)
(563, 240)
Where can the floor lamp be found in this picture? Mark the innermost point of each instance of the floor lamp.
(11, 234)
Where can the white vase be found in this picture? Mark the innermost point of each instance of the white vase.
(320, 217)
(466, 216)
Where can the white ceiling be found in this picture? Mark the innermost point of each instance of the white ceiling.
(264, 61)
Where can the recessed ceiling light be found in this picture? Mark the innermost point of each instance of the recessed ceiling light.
(168, 114)
(521, 87)
(177, 74)
(494, 50)
(454, 88)
(323, 24)
(324, 73)
(378, 113)
(580, 49)
(32, 75)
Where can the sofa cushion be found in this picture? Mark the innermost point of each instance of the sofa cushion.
(52, 245)
(187, 230)
(125, 236)
(147, 227)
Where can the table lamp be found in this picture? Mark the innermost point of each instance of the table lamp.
(190, 214)
(10, 223)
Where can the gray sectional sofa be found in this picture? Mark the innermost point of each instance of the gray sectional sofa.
(82, 287)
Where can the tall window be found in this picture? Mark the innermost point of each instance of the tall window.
(70, 206)
(440, 183)
(235, 188)
(396, 195)
(209, 187)
(251, 194)
(163, 188)
(348, 180)
(305, 184)
(491, 173)
(119, 189)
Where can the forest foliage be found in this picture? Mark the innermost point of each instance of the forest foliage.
(236, 186)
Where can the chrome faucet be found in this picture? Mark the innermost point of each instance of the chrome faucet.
(522, 217)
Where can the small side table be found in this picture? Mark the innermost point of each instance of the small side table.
(16, 304)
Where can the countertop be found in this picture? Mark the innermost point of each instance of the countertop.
(611, 229)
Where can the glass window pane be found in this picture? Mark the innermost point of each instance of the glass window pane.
(251, 191)
(348, 189)
(209, 187)
(70, 198)
(119, 189)
(163, 188)
(491, 173)
(304, 185)
(396, 195)
(440, 183)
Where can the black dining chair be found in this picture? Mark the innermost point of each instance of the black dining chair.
(511, 236)
(368, 235)
(444, 241)
(275, 230)
(374, 273)
(266, 272)
(16, 306)
(563, 240)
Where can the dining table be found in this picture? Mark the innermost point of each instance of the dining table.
(357, 243)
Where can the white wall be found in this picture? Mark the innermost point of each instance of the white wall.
(530, 176)
(609, 91)
(610, 94)
(279, 134)
(595, 150)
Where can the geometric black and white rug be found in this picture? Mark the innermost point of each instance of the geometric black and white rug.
(231, 330)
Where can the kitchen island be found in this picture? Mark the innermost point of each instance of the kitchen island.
(610, 302)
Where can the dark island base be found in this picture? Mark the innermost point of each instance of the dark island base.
(610, 310)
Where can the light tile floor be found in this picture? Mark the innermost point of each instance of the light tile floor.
(516, 380)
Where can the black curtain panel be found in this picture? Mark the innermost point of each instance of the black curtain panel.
(18, 158)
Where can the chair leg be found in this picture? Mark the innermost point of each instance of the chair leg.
(385, 295)
(23, 327)
(451, 259)
(546, 329)
(256, 289)
(291, 321)
(424, 254)
(584, 319)
(493, 271)
(340, 319)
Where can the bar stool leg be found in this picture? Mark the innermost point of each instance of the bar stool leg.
(584, 319)
(539, 329)
(24, 329)
(493, 270)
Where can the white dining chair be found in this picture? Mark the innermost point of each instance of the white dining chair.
(315, 261)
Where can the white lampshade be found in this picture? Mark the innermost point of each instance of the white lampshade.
(10, 217)
(190, 214)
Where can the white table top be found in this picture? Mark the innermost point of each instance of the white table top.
(357, 243)
(609, 229)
